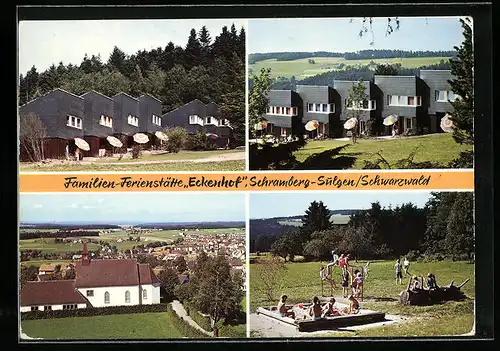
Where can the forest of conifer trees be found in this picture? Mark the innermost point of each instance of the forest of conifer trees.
(209, 69)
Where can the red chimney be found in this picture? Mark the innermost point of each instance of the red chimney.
(85, 255)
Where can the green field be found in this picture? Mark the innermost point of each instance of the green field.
(47, 245)
(439, 148)
(223, 166)
(301, 283)
(181, 155)
(302, 68)
(121, 326)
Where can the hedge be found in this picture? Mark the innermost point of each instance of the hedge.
(184, 328)
(93, 311)
(202, 321)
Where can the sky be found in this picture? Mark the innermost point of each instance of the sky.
(339, 35)
(268, 205)
(132, 207)
(42, 43)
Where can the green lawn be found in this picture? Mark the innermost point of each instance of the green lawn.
(233, 165)
(121, 326)
(47, 245)
(301, 283)
(302, 68)
(181, 155)
(38, 263)
(433, 147)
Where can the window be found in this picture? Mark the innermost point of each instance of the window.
(156, 120)
(106, 297)
(318, 107)
(332, 108)
(70, 307)
(133, 120)
(283, 131)
(106, 121)
(269, 109)
(445, 95)
(310, 107)
(34, 308)
(144, 294)
(47, 308)
(402, 100)
(75, 122)
(408, 123)
(294, 111)
(270, 128)
(127, 296)
(288, 110)
(325, 107)
(278, 110)
(90, 293)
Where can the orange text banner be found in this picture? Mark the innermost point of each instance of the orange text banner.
(249, 181)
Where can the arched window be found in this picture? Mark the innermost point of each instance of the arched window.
(127, 296)
(106, 297)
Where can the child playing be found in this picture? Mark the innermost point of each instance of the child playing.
(315, 311)
(399, 275)
(345, 283)
(329, 309)
(324, 277)
(359, 284)
(406, 265)
(353, 305)
(283, 310)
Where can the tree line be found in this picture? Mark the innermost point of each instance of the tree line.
(58, 234)
(444, 227)
(211, 70)
(208, 225)
(358, 55)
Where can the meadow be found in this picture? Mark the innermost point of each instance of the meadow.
(121, 326)
(301, 283)
(302, 68)
(439, 148)
(47, 244)
(180, 166)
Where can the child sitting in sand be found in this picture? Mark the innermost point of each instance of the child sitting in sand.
(330, 310)
(283, 310)
(353, 305)
(315, 311)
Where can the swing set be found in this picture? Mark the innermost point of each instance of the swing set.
(351, 275)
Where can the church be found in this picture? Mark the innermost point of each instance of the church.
(98, 283)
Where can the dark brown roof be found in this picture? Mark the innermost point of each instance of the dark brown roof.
(107, 273)
(51, 292)
(146, 275)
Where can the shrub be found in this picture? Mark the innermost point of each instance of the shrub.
(198, 141)
(465, 160)
(412, 255)
(185, 329)
(195, 315)
(177, 139)
(93, 311)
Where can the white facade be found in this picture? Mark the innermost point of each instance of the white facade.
(117, 295)
(150, 294)
(54, 307)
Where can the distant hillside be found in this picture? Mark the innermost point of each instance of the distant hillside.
(278, 225)
(362, 54)
(193, 225)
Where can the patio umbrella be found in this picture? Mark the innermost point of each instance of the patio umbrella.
(447, 124)
(350, 123)
(390, 120)
(212, 136)
(141, 138)
(312, 125)
(82, 144)
(114, 141)
(264, 124)
(161, 136)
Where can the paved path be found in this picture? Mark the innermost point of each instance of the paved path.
(181, 312)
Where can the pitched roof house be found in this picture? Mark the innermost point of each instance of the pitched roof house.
(51, 295)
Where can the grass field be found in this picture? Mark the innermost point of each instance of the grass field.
(38, 263)
(433, 147)
(181, 155)
(47, 245)
(121, 326)
(302, 68)
(301, 283)
(233, 165)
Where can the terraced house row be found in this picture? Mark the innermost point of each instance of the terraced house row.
(93, 117)
(420, 103)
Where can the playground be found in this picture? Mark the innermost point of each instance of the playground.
(384, 306)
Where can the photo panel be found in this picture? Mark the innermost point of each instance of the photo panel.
(362, 264)
(136, 266)
(360, 93)
(132, 95)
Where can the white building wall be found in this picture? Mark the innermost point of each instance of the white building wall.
(116, 295)
(153, 294)
(54, 307)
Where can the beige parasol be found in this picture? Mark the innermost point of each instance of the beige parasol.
(141, 138)
(447, 124)
(114, 141)
(350, 123)
(161, 136)
(82, 144)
